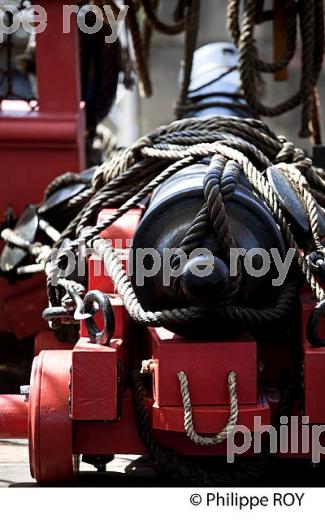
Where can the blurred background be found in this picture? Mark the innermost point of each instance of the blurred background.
(167, 53)
(132, 116)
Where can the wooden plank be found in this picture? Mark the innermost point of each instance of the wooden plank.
(279, 37)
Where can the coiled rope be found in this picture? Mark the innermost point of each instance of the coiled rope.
(134, 172)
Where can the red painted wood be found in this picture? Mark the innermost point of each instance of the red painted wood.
(57, 60)
(98, 276)
(50, 426)
(24, 312)
(120, 233)
(206, 364)
(122, 437)
(41, 129)
(314, 365)
(208, 419)
(37, 146)
(13, 417)
(123, 229)
(116, 437)
(95, 374)
(47, 340)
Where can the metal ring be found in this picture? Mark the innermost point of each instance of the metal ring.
(313, 323)
(94, 302)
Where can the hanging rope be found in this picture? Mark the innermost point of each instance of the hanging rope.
(181, 469)
(189, 428)
(186, 18)
(309, 15)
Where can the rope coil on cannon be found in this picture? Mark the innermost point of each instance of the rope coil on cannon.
(255, 150)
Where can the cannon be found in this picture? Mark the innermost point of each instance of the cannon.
(215, 351)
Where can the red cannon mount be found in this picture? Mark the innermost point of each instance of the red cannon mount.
(85, 401)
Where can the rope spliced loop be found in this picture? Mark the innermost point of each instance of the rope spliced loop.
(189, 427)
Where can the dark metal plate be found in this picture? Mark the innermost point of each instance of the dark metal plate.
(288, 198)
(321, 221)
(60, 197)
(87, 175)
(291, 203)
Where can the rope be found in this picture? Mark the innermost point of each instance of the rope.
(177, 468)
(186, 18)
(41, 252)
(244, 316)
(219, 185)
(200, 440)
(191, 35)
(62, 181)
(242, 17)
(180, 469)
(235, 145)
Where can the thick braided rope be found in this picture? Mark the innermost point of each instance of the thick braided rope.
(159, 25)
(267, 194)
(250, 318)
(188, 414)
(39, 251)
(186, 20)
(140, 59)
(124, 288)
(191, 34)
(219, 184)
(35, 249)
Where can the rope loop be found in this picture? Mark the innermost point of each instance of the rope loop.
(189, 427)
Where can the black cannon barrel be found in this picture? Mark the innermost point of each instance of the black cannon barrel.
(214, 90)
(215, 83)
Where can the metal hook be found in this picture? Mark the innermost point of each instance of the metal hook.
(79, 313)
(94, 302)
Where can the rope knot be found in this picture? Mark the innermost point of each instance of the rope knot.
(286, 152)
(147, 366)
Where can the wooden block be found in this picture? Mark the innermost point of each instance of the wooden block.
(209, 419)
(206, 364)
(279, 36)
(95, 381)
